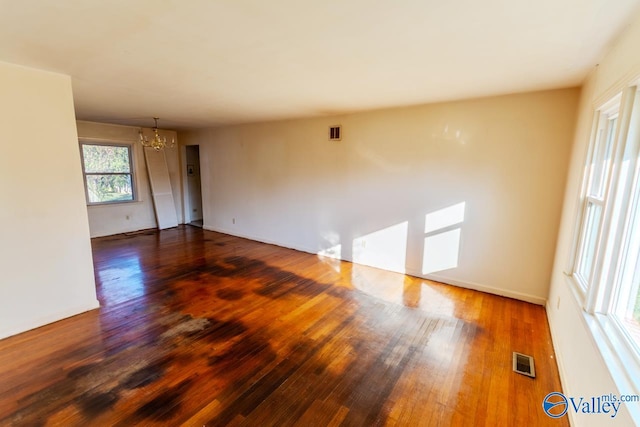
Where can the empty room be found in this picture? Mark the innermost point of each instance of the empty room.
(339, 213)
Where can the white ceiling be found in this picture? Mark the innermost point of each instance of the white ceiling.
(199, 63)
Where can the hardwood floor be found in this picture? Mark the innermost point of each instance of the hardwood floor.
(200, 328)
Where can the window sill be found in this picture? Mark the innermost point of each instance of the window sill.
(112, 204)
(620, 359)
(621, 362)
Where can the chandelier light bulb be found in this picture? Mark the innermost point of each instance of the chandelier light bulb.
(157, 142)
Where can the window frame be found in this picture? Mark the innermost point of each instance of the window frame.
(131, 173)
(619, 193)
(605, 113)
(626, 206)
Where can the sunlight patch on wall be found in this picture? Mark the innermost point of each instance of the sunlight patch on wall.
(442, 242)
(333, 252)
(386, 248)
(332, 256)
(441, 251)
(444, 218)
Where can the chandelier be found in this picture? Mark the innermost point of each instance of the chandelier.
(157, 142)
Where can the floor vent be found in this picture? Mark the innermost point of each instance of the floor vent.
(523, 364)
(335, 133)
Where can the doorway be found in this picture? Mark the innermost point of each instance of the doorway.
(193, 208)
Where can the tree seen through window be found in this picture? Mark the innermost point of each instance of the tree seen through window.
(107, 172)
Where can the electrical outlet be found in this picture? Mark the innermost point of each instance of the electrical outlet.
(558, 304)
(128, 217)
(233, 220)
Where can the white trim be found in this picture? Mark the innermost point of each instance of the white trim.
(628, 79)
(436, 278)
(101, 205)
(602, 343)
(620, 359)
(579, 207)
(488, 289)
(121, 141)
(564, 378)
(578, 291)
(50, 318)
(606, 250)
(605, 334)
(125, 230)
(184, 183)
(261, 239)
(133, 169)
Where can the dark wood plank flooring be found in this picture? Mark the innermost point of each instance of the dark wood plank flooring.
(200, 328)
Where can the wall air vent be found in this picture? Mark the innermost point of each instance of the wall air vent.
(523, 364)
(335, 133)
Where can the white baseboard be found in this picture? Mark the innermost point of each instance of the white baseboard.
(484, 288)
(260, 239)
(19, 328)
(436, 278)
(559, 359)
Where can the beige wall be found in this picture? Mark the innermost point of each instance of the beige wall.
(45, 251)
(105, 220)
(583, 369)
(366, 198)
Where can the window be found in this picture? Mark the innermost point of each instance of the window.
(596, 175)
(606, 265)
(625, 307)
(108, 173)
